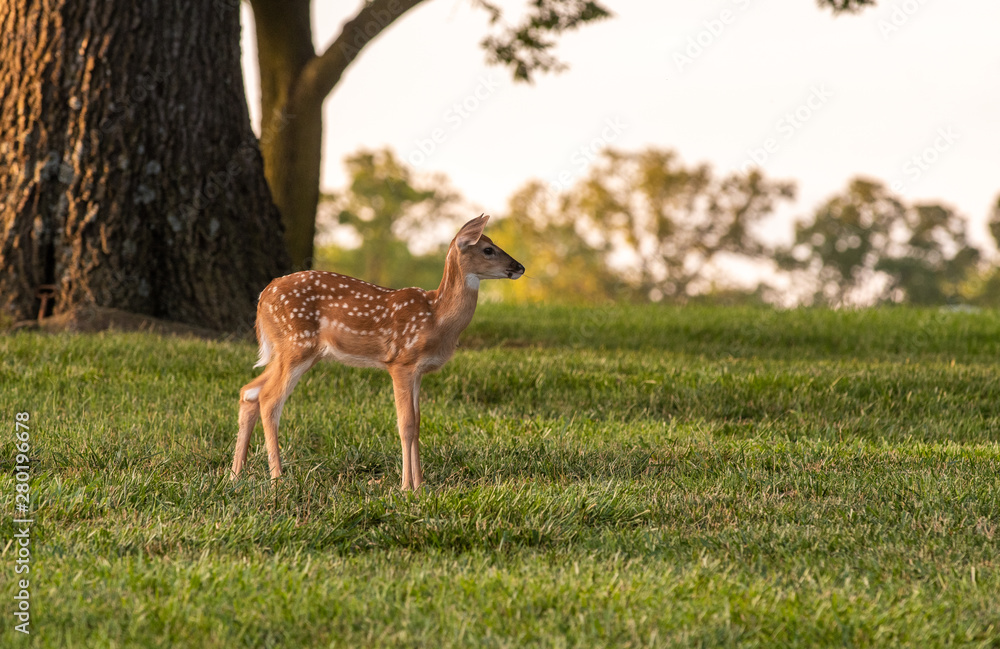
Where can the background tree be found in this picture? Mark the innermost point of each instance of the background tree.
(669, 224)
(866, 245)
(934, 258)
(639, 226)
(843, 243)
(129, 173)
(389, 211)
(983, 287)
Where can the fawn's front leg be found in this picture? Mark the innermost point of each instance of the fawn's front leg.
(406, 389)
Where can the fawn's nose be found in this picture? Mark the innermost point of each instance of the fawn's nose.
(516, 270)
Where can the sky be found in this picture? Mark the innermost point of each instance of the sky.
(907, 92)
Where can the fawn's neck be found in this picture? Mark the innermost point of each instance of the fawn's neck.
(455, 299)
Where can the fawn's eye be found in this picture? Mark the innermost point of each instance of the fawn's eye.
(487, 251)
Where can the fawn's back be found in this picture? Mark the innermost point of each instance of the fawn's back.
(328, 315)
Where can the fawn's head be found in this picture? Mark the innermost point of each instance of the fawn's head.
(480, 258)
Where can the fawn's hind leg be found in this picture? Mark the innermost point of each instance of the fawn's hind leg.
(249, 414)
(273, 395)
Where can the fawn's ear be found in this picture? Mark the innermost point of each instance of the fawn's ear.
(471, 231)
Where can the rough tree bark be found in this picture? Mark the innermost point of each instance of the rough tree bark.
(294, 81)
(129, 173)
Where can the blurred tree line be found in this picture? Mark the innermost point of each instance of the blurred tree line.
(644, 226)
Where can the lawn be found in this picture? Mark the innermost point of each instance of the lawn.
(628, 477)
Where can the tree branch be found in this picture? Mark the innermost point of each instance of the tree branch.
(526, 48)
(322, 73)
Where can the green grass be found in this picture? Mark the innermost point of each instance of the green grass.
(629, 477)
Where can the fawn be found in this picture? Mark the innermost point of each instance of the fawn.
(312, 315)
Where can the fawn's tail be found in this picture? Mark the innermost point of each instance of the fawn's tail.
(264, 352)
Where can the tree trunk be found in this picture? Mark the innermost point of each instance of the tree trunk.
(129, 173)
(294, 82)
(291, 125)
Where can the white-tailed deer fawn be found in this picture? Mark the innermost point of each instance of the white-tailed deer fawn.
(312, 315)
